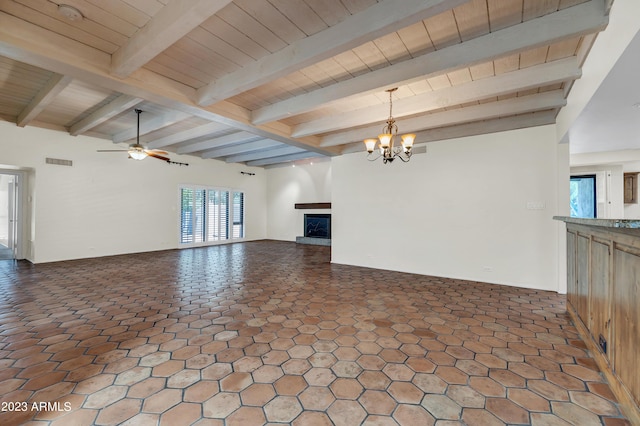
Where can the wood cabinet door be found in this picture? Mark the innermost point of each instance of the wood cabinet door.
(630, 188)
(572, 284)
(582, 278)
(626, 318)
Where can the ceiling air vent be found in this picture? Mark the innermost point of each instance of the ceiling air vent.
(59, 162)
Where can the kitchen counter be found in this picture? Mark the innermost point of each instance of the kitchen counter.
(605, 223)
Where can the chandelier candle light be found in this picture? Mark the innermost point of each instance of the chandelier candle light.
(389, 133)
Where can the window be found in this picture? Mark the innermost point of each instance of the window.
(583, 196)
(210, 215)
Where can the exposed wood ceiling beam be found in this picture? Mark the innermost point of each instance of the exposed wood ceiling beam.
(217, 142)
(282, 159)
(186, 135)
(511, 106)
(539, 118)
(45, 96)
(156, 123)
(34, 45)
(276, 152)
(375, 21)
(575, 21)
(170, 24)
(108, 111)
(242, 148)
(511, 82)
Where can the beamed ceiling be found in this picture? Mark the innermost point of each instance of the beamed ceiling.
(265, 82)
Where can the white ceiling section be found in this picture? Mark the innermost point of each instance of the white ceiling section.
(266, 82)
(611, 119)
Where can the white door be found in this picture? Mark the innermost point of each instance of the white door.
(12, 201)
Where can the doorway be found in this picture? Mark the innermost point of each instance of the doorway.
(10, 215)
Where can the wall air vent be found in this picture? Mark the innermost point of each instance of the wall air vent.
(59, 162)
(420, 149)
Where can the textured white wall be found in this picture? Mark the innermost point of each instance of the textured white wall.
(94, 208)
(458, 211)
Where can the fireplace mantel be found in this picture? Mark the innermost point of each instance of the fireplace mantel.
(313, 205)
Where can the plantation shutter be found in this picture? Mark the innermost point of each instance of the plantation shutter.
(213, 215)
(186, 215)
(238, 215)
(200, 222)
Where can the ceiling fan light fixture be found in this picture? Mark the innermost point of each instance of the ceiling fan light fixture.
(137, 154)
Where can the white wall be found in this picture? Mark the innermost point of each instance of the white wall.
(106, 204)
(290, 185)
(458, 211)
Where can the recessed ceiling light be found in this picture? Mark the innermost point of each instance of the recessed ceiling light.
(70, 12)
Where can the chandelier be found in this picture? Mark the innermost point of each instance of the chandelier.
(388, 152)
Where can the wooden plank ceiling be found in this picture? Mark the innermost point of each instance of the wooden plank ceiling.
(266, 82)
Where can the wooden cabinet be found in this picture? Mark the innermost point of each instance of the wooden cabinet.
(631, 188)
(603, 298)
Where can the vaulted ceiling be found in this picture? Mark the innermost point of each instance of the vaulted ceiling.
(264, 82)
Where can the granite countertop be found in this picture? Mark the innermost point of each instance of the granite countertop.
(605, 223)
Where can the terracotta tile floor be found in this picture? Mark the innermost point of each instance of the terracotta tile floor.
(271, 332)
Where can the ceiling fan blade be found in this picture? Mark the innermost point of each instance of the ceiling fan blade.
(159, 157)
(112, 150)
(156, 151)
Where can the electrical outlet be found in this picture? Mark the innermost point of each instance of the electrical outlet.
(603, 343)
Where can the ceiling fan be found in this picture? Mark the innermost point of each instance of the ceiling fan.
(138, 152)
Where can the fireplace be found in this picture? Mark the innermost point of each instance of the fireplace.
(317, 225)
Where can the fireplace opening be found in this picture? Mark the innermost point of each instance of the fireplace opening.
(317, 226)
